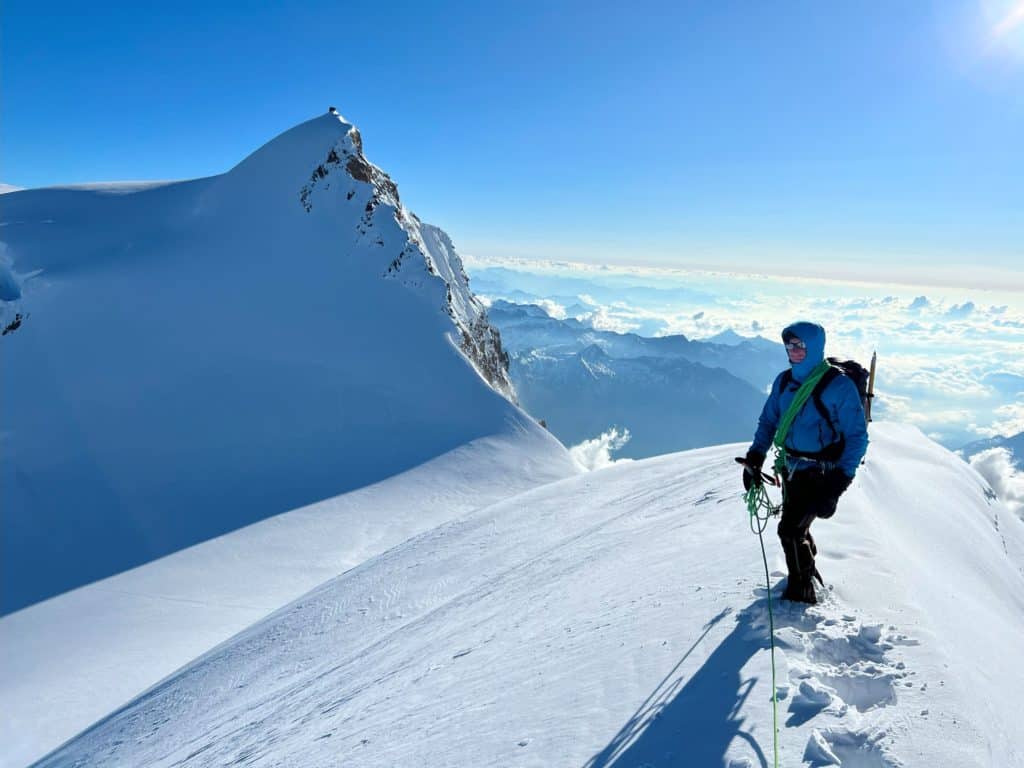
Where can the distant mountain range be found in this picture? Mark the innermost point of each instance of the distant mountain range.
(1014, 445)
(526, 327)
(671, 393)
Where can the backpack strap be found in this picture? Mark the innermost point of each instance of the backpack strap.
(830, 374)
(803, 394)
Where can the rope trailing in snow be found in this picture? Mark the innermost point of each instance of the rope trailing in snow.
(761, 509)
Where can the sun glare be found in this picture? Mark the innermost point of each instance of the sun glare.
(1010, 19)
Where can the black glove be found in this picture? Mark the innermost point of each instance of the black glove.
(752, 464)
(836, 482)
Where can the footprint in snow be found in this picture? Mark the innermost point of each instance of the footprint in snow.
(839, 746)
(851, 660)
(834, 662)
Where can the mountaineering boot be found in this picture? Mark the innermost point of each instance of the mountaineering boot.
(789, 548)
(800, 590)
(800, 584)
(814, 553)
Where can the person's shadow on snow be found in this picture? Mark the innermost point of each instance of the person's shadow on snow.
(691, 722)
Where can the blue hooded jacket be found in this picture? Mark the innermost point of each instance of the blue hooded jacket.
(810, 433)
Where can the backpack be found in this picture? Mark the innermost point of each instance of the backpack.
(851, 369)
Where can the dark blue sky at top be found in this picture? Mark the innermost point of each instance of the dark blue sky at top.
(652, 132)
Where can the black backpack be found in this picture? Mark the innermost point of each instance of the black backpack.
(851, 369)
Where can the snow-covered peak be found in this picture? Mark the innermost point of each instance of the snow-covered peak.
(273, 336)
(318, 169)
(299, 147)
(289, 163)
(728, 337)
(593, 353)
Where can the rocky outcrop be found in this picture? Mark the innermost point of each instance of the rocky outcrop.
(425, 260)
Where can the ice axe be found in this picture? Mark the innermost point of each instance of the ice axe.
(871, 389)
(765, 477)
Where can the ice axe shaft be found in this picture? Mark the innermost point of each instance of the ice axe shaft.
(871, 387)
(765, 478)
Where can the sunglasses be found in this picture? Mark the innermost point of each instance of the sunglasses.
(791, 345)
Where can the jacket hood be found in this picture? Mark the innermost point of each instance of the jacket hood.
(813, 335)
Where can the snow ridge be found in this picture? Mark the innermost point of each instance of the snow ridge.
(619, 618)
(218, 350)
(425, 252)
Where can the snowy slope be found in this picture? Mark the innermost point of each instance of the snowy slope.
(191, 357)
(619, 617)
(95, 648)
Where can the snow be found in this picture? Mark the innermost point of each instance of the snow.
(729, 337)
(130, 630)
(200, 355)
(189, 360)
(267, 500)
(620, 617)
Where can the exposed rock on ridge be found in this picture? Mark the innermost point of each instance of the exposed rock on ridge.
(426, 262)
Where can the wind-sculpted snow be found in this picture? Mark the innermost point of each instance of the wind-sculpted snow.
(95, 648)
(185, 358)
(620, 618)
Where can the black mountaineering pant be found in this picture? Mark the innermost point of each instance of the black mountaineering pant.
(805, 499)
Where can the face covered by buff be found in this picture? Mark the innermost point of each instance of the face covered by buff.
(813, 337)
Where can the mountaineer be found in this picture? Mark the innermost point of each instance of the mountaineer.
(815, 416)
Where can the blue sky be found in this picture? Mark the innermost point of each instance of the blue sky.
(849, 138)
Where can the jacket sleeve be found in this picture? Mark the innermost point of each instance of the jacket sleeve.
(769, 419)
(850, 417)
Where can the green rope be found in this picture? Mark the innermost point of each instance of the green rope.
(806, 388)
(782, 431)
(761, 509)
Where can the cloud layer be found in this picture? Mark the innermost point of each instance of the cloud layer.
(949, 361)
(597, 453)
(996, 466)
